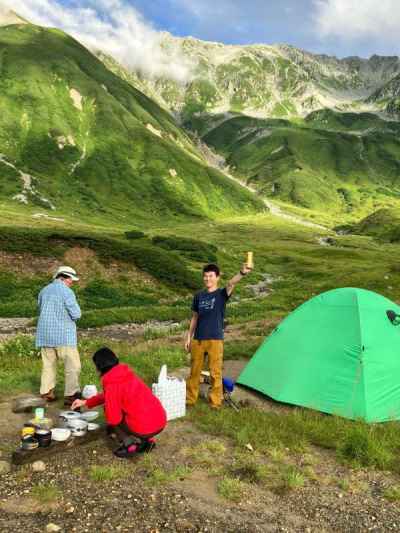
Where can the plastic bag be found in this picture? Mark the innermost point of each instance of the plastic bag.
(172, 394)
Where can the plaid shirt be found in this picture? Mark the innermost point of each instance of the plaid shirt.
(58, 310)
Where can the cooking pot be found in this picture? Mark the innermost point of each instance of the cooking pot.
(43, 437)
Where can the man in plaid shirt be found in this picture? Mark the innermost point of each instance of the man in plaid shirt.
(56, 335)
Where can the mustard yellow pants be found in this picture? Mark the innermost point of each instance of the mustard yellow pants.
(215, 351)
(72, 369)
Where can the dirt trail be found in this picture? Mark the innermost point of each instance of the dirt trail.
(274, 209)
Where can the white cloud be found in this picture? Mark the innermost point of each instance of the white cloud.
(112, 26)
(358, 19)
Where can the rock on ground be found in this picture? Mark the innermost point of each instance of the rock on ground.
(5, 467)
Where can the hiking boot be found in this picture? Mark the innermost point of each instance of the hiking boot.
(147, 446)
(69, 400)
(126, 452)
(49, 396)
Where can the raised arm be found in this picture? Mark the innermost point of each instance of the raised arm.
(235, 280)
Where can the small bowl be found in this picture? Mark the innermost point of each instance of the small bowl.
(89, 416)
(66, 416)
(78, 427)
(60, 434)
(92, 426)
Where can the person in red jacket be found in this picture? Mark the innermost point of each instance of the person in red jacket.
(132, 411)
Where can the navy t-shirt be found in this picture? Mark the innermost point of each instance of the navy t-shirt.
(210, 306)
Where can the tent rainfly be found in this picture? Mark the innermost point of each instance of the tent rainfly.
(338, 353)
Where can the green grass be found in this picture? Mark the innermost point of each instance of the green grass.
(392, 494)
(103, 473)
(382, 224)
(247, 468)
(231, 489)
(156, 474)
(160, 476)
(323, 168)
(287, 478)
(355, 443)
(46, 493)
(207, 454)
(20, 363)
(123, 150)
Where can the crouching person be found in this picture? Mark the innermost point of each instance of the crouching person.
(133, 414)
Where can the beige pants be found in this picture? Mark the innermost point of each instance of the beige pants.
(72, 369)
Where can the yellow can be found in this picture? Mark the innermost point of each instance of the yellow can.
(28, 431)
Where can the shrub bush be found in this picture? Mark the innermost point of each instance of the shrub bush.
(99, 294)
(195, 249)
(134, 234)
(161, 262)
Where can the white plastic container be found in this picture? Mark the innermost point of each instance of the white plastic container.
(172, 394)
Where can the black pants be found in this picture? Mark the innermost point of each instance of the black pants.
(127, 437)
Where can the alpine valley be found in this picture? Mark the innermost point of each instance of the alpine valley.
(269, 148)
(137, 181)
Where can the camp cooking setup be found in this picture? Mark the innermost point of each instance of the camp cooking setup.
(43, 432)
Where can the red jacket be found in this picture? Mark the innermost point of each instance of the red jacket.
(126, 398)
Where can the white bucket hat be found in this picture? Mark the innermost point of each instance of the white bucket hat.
(67, 271)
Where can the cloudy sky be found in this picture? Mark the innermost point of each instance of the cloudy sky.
(129, 28)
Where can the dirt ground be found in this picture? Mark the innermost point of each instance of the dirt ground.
(141, 497)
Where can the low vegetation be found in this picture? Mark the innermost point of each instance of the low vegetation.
(354, 443)
(231, 489)
(46, 493)
(104, 473)
(20, 363)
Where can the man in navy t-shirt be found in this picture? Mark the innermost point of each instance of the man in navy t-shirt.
(206, 333)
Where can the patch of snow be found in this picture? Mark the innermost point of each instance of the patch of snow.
(21, 197)
(63, 141)
(261, 135)
(75, 165)
(326, 241)
(27, 186)
(154, 130)
(277, 150)
(76, 98)
(43, 215)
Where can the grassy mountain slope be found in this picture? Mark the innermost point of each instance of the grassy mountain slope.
(388, 97)
(76, 139)
(383, 224)
(340, 162)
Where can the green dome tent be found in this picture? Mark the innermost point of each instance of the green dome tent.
(338, 353)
